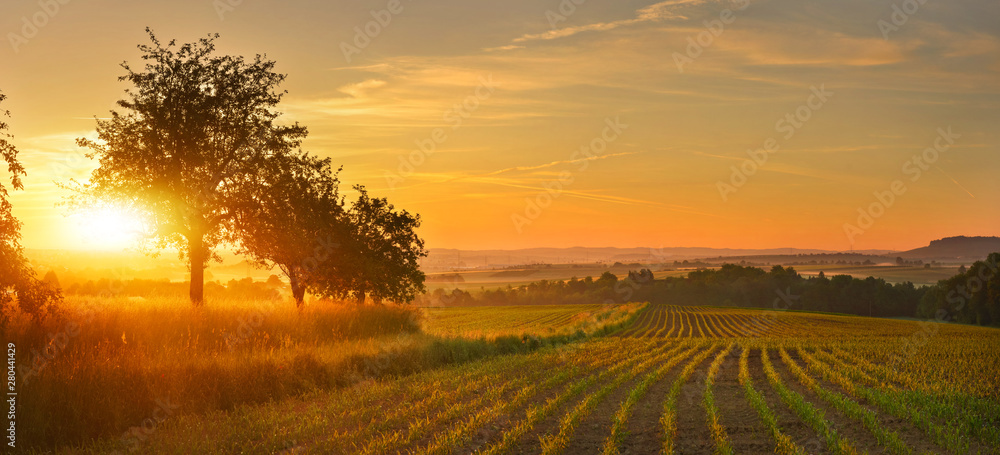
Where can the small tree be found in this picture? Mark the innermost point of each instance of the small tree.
(382, 253)
(296, 221)
(18, 282)
(195, 132)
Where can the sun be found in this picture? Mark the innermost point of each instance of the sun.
(108, 228)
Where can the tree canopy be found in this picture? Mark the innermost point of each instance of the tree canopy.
(384, 251)
(296, 222)
(193, 137)
(971, 296)
(197, 148)
(18, 282)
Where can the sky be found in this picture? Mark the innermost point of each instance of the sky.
(865, 124)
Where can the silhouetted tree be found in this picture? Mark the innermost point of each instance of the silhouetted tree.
(607, 279)
(18, 282)
(381, 254)
(643, 276)
(296, 221)
(970, 297)
(195, 131)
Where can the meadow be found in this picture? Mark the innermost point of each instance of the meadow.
(670, 379)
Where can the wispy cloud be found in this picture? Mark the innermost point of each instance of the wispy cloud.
(653, 13)
(556, 163)
(490, 177)
(359, 89)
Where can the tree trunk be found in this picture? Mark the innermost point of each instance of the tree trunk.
(298, 289)
(196, 255)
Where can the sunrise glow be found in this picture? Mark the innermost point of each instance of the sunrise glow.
(471, 125)
(107, 229)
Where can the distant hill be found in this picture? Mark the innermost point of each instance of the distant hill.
(961, 247)
(445, 258)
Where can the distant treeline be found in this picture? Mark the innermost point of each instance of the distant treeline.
(972, 296)
(784, 289)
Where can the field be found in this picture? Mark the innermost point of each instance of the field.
(538, 320)
(101, 366)
(676, 380)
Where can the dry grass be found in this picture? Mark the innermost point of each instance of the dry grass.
(101, 366)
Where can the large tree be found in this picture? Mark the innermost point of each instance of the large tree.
(296, 222)
(195, 131)
(18, 281)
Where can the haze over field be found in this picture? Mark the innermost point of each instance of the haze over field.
(508, 93)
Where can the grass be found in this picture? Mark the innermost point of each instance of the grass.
(103, 366)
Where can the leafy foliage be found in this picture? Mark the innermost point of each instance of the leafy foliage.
(194, 135)
(18, 282)
(197, 149)
(382, 254)
(296, 222)
(971, 296)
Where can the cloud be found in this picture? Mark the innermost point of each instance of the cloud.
(508, 47)
(556, 163)
(652, 13)
(361, 88)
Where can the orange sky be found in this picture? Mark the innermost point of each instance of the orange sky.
(517, 100)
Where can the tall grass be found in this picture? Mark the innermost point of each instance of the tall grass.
(103, 365)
